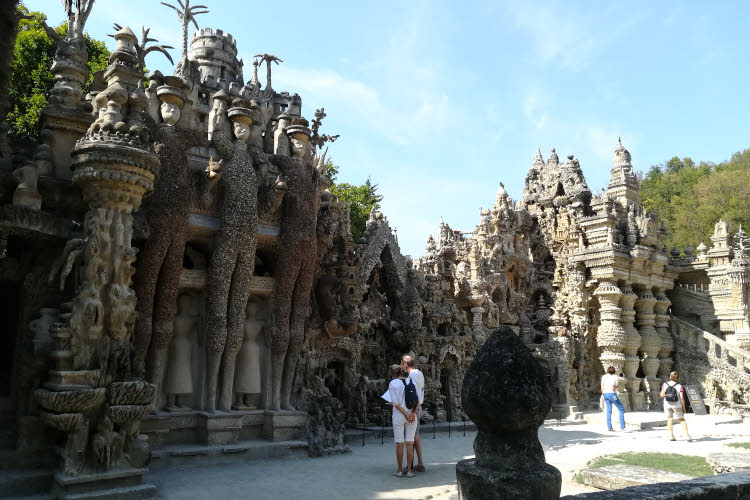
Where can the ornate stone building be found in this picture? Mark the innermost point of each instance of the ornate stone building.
(174, 272)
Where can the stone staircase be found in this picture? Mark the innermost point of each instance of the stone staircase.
(721, 370)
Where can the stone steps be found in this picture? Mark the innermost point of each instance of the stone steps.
(25, 482)
(256, 449)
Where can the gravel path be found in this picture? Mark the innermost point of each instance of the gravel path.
(366, 473)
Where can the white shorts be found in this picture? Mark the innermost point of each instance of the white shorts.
(403, 431)
(669, 410)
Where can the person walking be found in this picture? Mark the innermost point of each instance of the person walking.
(409, 364)
(674, 403)
(609, 384)
(404, 422)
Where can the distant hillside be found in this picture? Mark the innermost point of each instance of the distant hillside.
(690, 198)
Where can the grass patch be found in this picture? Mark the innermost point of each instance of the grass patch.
(740, 445)
(670, 462)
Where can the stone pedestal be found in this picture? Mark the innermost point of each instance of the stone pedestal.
(120, 483)
(220, 427)
(507, 395)
(284, 425)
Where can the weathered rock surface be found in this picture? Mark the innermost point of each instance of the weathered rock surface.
(729, 461)
(724, 487)
(615, 477)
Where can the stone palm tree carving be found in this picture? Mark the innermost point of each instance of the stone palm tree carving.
(142, 49)
(78, 12)
(186, 14)
(268, 59)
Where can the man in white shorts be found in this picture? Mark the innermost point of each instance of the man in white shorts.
(409, 364)
(674, 403)
(404, 424)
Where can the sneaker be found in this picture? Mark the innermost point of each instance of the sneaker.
(419, 468)
(398, 474)
(689, 439)
(410, 474)
(671, 438)
(611, 430)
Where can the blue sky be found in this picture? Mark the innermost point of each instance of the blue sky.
(437, 102)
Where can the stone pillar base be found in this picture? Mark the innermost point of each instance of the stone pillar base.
(284, 425)
(480, 483)
(220, 428)
(638, 401)
(121, 483)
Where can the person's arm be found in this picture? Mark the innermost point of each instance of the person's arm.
(663, 392)
(601, 385)
(682, 398)
(394, 401)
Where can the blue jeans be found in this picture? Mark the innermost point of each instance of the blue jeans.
(611, 398)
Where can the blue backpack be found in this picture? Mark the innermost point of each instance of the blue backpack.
(410, 395)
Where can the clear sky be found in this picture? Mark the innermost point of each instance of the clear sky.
(437, 102)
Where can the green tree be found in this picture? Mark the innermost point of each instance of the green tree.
(690, 198)
(31, 77)
(362, 198)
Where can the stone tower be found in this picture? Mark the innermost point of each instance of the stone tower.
(214, 52)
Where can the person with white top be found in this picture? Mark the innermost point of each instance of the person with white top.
(409, 364)
(674, 403)
(404, 422)
(609, 384)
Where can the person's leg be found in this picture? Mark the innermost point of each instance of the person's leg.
(399, 455)
(669, 428)
(621, 409)
(410, 456)
(418, 448)
(608, 404)
(684, 428)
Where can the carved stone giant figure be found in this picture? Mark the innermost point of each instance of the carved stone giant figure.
(296, 262)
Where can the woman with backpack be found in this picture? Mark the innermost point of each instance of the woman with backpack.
(674, 403)
(404, 421)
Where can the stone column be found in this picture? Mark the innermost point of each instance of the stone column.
(507, 395)
(92, 395)
(636, 398)
(662, 329)
(650, 346)
(611, 337)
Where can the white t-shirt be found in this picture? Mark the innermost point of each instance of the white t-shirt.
(396, 390)
(678, 387)
(609, 381)
(417, 377)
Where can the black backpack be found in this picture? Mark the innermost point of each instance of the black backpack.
(671, 394)
(410, 394)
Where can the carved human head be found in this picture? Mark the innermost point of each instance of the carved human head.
(299, 137)
(254, 308)
(172, 99)
(170, 113)
(242, 119)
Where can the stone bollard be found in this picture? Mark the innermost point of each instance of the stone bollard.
(507, 395)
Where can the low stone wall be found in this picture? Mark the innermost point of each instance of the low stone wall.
(734, 486)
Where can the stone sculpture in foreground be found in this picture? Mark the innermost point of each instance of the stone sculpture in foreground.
(507, 395)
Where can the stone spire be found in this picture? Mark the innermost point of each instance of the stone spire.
(538, 159)
(553, 158)
(623, 185)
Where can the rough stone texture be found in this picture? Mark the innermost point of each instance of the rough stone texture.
(729, 461)
(507, 395)
(724, 487)
(615, 477)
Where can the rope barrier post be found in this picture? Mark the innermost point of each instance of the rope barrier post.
(448, 413)
(463, 420)
(364, 423)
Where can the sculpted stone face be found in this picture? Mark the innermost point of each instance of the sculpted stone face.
(299, 148)
(170, 113)
(241, 131)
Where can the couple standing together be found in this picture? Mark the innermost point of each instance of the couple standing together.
(406, 392)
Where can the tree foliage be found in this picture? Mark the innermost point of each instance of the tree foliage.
(31, 78)
(362, 198)
(690, 198)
